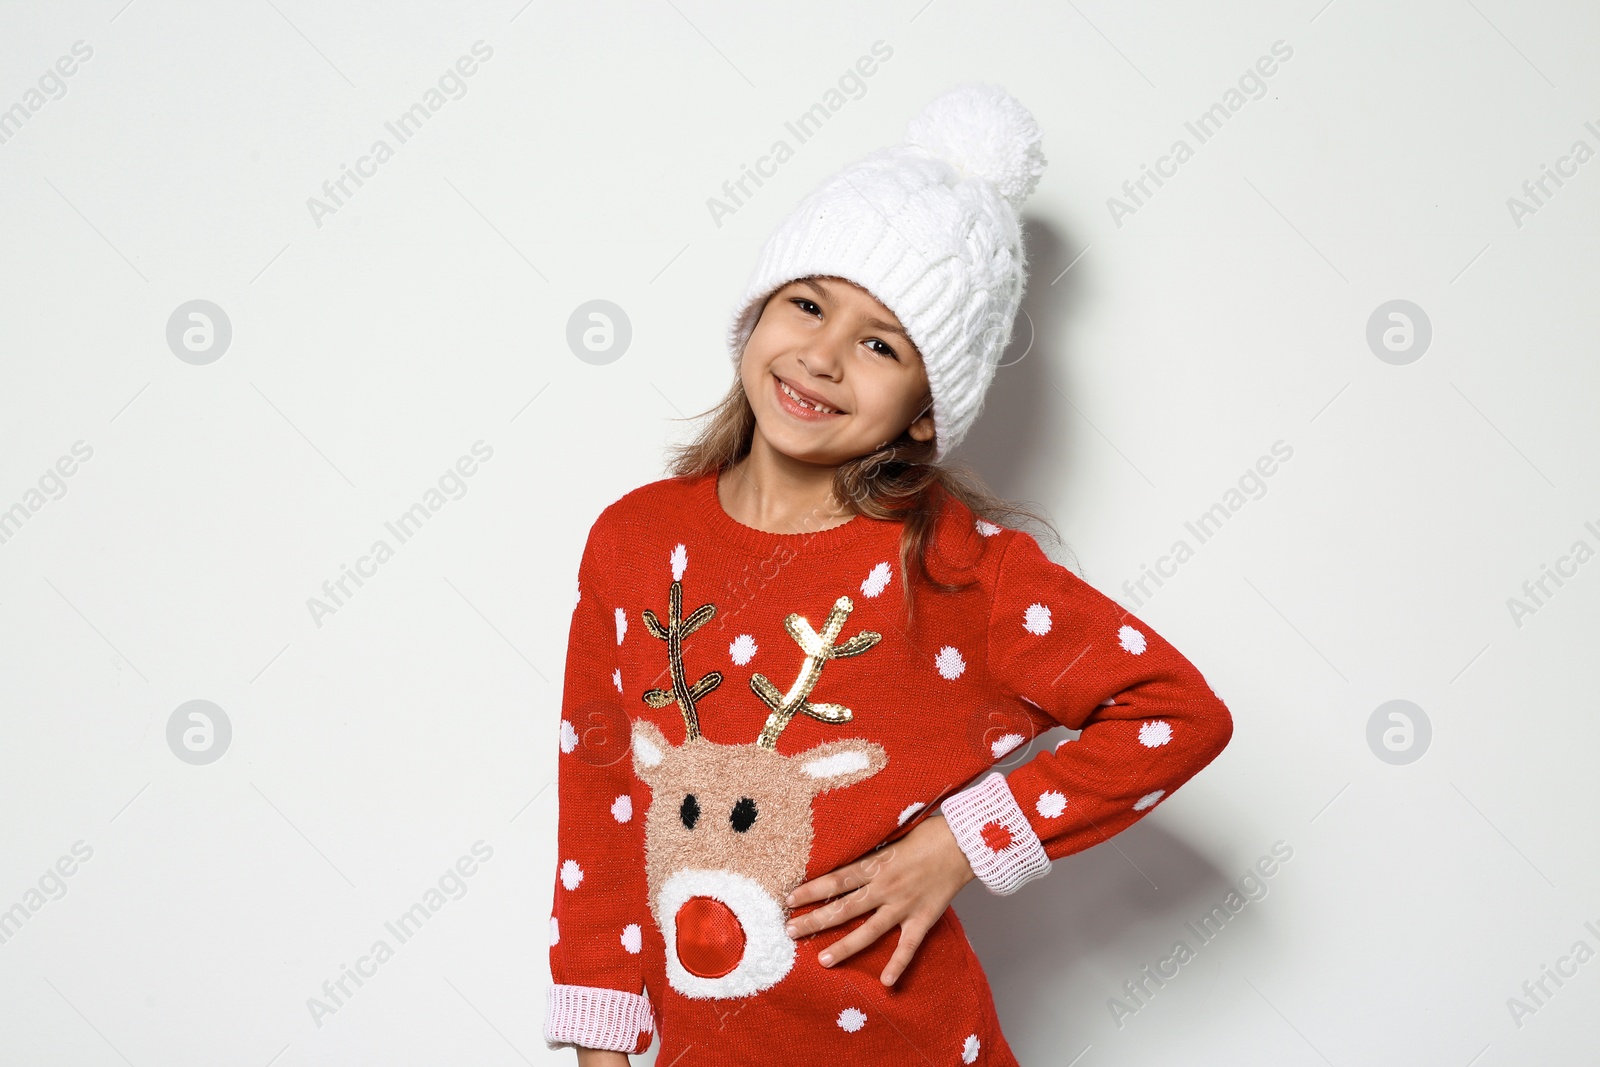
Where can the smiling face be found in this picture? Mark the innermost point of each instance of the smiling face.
(834, 344)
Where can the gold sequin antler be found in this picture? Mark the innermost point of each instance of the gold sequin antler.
(673, 634)
(819, 648)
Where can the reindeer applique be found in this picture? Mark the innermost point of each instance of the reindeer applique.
(728, 832)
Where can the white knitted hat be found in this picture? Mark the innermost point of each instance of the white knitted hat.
(930, 229)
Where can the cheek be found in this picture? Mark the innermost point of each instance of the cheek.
(755, 367)
(884, 400)
(750, 379)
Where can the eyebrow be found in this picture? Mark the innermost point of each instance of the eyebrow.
(877, 324)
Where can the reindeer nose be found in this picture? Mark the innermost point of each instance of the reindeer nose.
(710, 939)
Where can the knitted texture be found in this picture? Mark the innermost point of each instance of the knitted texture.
(928, 227)
(1002, 848)
(586, 1017)
(744, 711)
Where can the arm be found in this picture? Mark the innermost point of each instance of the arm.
(595, 1001)
(1149, 722)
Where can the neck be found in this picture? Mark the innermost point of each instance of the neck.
(771, 491)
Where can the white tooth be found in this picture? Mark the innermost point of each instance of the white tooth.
(808, 403)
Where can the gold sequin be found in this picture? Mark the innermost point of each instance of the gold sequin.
(818, 649)
(674, 633)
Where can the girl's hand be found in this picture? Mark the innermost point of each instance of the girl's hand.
(595, 1057)
(908, 884)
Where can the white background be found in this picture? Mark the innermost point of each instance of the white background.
(369, 352)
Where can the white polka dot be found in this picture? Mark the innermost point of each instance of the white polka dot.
(1109, 702)
(969, 1051)
(742, 649)
(988, 529)
(852, 1019)
(1155, 733)
(1025, 700)
(631, 938)
(1036, 620)
(1131, 639)
(1051, 804)
(877, 580)
(571, 874)
(616, 679)
(555, 932)
(622, 624)
(622, 807)
(949, 662)
(1148, 799)
(1002, 745)
(680, 561)
(569, 736)
(908, 811)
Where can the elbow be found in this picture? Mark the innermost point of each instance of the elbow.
(1221, 720)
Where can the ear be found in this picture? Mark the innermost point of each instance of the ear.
(922, 427)
(836, 764)
(650, 747)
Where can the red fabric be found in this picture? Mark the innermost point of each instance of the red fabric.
(997, 837)
(1028, 646)
(710, 939)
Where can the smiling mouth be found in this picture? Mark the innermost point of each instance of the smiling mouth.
(802, 406)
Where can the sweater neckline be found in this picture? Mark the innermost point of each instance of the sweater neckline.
(733, 531)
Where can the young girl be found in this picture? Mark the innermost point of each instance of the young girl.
(793, 665)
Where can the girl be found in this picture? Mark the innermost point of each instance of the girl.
(793, 664)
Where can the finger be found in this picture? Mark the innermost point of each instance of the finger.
(875, 862)
(836, 882)
(819, 888)
(911, 935)
(828, 885)
(832, 913)
(861, 937)
(847, 878)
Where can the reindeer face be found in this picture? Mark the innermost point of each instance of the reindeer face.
(727, 837)
(728, 832)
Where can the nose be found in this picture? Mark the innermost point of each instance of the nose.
(710, 937)
(822, 358)
(821, 363)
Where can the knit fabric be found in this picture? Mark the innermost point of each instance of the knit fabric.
(744, 711)
(929, 227)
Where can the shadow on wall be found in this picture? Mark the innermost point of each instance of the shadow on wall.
(1020, 437)
(1062, 946)
(1056, 951)
(1059, 948)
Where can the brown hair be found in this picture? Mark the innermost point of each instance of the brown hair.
(899, 482)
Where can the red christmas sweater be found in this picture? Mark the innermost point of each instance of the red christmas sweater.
(744, 711)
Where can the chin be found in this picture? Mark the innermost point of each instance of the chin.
(798, 449)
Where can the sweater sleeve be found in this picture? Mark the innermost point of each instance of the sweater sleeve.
(596, 998)
(1149, 722)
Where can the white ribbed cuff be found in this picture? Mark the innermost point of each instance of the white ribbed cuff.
(592, 1017)
(991, 829)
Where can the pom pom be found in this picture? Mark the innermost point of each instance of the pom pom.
(985, 132)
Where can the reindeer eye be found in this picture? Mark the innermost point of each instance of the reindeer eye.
(744, 814)
(689, 811)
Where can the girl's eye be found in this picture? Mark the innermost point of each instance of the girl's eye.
(805, 306)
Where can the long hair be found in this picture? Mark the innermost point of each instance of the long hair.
(899, 481)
